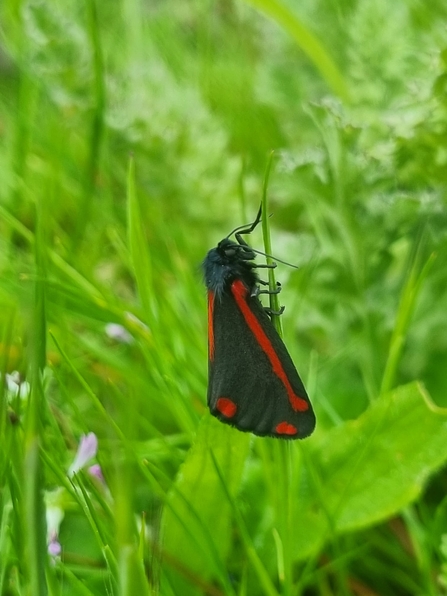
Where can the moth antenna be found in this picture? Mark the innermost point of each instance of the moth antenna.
(247, 228)
(259, 252)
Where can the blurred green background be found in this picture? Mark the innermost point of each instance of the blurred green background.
(134, 135)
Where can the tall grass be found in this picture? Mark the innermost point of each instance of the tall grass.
(133, 138)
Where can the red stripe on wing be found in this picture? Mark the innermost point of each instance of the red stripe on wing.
(240, 291)
(211, 325)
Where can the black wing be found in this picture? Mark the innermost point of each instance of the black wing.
(247, 387)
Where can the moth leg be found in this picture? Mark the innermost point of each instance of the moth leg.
(277, 291)
(259, 265)
(257, 290)
(271, 312)
(266, 283)
(265, 265)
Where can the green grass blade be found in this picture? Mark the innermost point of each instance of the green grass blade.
(308, 42)
(405, 311)
(139, 250)
(35, 527)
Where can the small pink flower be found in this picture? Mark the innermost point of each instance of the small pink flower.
(88, 447)
(54, 546)
(96, 472)
(54, 501)
(118, 333)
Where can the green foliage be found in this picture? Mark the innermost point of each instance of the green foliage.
(366, 470)
(134, 136)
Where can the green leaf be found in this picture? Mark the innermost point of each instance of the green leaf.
(370, 468)
(133, 580)
(196, 519)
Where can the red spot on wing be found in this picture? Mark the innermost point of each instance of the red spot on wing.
(240, 291)
(284, 428)
(211, 325)
(226, 407)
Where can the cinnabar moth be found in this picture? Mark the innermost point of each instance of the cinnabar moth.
(253, 384)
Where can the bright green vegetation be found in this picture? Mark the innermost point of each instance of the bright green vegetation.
(133, 137)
